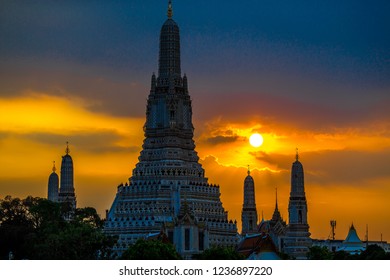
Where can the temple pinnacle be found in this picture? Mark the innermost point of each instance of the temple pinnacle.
(170, 11)
(54, 166)
(67, 150)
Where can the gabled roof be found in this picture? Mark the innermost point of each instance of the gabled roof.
(257, 244)
(186, 215)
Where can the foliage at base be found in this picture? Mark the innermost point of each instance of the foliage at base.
(372, 252)
(151, 250)
(36, 228)
(219, 253)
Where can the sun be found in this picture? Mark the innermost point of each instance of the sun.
(256, 140)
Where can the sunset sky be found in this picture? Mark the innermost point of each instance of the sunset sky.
(308, 74)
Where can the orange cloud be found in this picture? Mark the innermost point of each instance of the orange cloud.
(346, 169)
(41, 112)
(35, 126)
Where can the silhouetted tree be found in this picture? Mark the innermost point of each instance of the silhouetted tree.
(220, 253)
(88, 215)
(342, 255)
(35, 228)
(16, 224)
(319, 253)
(374, 252)
(151, 250)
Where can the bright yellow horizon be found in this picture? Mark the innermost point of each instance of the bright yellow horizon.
(35, 126)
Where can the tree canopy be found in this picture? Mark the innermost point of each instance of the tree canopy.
(319, 253)
(372, 252)
(220, 253)
(35, 228)
(151, 250)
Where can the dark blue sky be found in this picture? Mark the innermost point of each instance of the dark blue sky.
(335, 53)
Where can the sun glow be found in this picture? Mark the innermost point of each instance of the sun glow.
(256, 140)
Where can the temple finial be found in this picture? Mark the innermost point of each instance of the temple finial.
(67, 150)
(170, 11)
(54, 166)
(249, 171)
(296, 155)
(276, 206)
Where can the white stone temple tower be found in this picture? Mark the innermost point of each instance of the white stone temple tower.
(249, 211)
(168, 192)
(53, 185)
(67, 191)
(297, 241)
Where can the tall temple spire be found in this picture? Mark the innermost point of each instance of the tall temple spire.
(169, 71)
(67, 190)
(67, 150)
(249, 212)
(170, 11)
(249, 171)
(168, 176)
(297, 241)
(276, 215)
(53, 185)
(276, 190)
(297, 178)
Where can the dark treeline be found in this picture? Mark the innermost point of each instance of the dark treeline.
(373, 252)
(36, 228)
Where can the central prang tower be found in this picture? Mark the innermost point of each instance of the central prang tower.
(168, 148)
(168, 193)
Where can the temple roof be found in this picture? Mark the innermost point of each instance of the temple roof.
(259, 244)
(186, 215)
(276, 215)
(352, 237)
(352, 243)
